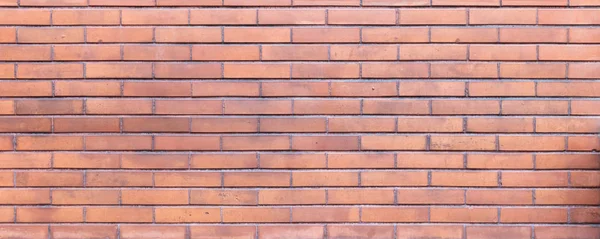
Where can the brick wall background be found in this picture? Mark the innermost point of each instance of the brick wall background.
(309, 119)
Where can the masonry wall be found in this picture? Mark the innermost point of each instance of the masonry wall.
(308, 119)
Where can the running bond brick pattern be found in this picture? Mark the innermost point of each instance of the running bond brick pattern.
(299, 119)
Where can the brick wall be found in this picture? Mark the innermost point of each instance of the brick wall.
(308, 119)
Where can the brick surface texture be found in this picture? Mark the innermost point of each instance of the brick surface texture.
(299, 119)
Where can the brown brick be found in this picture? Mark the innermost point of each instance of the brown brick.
(53, 3)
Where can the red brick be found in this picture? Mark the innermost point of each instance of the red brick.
(464, 70)
(498, 232)
(325, 35)
(433, 52)
(556, 232)
(87, 88)
(187, 179)
(292, 124)
(425, 231)
(26, 88)
(464, 214)
(25, 53)
(364, 52)
(533, 215)
(394, 35)
(224, 231)
(154, 17)
(585, 179)
(324, 143)
(517, 16)
(502, 52)
(318, 70)
(49, 179)
(267, 107)
(467, 35)
(236, 124)
(584, 215)
(6, 143)
(394, 214)
(203, 107)
(288, 160)
(88, 124)
(224, 197)
(186, 143)
(567, 161)
(156, 53)
(154, 161)
(83, 231)
(534, 2)
(568, 16)
(464, 178)
(430, 196)
(85, 196)
(431, 88)
(364, 88)
(53, 3)
(256, 214)
(225, 52)
(257, 3)
(465, 3)
(463, 142)
(395, 70)
(429, 160)
(143, 231)
(567, 125)
(118, 179)
(433, 16)
(502, 88)
(154, 197)
(533, 35)
(53, 215)
(11, 3)
(156, 124)
(393, 142)
(360, 196)
(52, 70)
(532, 143)
(567, 196)
(362, 124)
(86, 160)
(500, 161)
(117, 35)
(188, 35)
(290, 17)
(500, 125)
(256, 143)
(326, 3)
(8, 35)
(25, 17)
(260, 70)
(325, 214)
(307, 107)
(51, 35)
(133, 3)
(118, 106)
(25, 160)
(223, 17)
(394, 178)
(85, 17)
(362, 17)
(266, 35)
(524, 70)
(291, 197)
(49, 143)
(295, 88)
(121, 142)
(118, 214)
(189, 3)
(212, 88)
(25, 196)
(253, 179)
(535, 107)
(583, 143)
(579, 89)
(584, 35)
(118, 70)
(318, 178)
(365, 231)
(535, 179)
(584, 70)
(499, 197)
(294, 52)
(291, 231)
